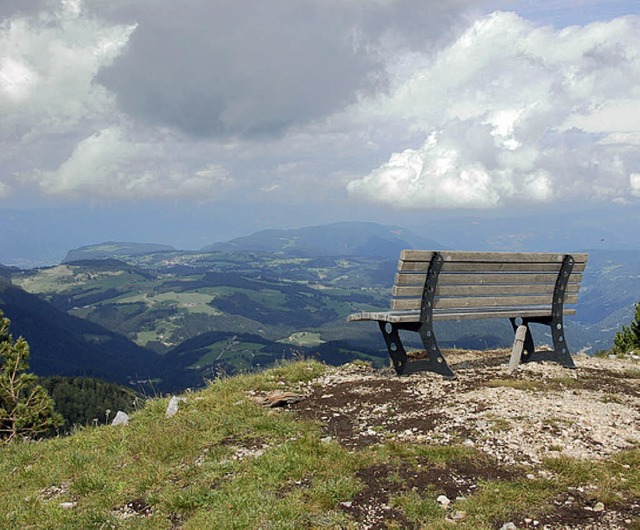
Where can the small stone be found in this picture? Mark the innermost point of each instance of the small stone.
(68, 505)
(469, 442)
(458, 515)
(509, 526)
(346, 504)
(443, 501)
(174, 403)
(599, 507)
(531, 476)
(122, 418)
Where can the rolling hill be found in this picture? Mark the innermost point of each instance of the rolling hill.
(62, 344)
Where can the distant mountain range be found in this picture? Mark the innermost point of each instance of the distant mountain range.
(132, 312)
(338, 239)
(112, 249)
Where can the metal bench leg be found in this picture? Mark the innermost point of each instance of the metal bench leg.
(434, 361)
(560, 345)
(394, 346)
(560, 353)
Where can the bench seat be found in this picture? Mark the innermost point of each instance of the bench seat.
(456, 314)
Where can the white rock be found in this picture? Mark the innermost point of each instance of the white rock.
(508, 526)
(174, 404)
(443, 500)
(68, 505)
(122, 418)
(599, 507)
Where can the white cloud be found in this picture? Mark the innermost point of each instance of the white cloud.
(109, 165)
(16, 79)
(47, 69)
(519, 111)
(634, 181)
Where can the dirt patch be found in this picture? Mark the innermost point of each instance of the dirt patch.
(373, 506)
(542, 410)
(577, 511)
(362, 412)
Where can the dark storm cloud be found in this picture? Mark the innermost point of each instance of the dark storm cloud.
(243, 68)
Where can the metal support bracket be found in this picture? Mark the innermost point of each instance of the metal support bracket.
(433, 361)
(560, 353)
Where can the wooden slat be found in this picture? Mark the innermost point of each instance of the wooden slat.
(500, 257)
(404, 304)
(414, 316)
(419, 266)
(484, 279)
(484, 290)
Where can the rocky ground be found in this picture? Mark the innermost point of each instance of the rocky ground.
(543, 410)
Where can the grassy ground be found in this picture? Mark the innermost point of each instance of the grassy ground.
(226, 462)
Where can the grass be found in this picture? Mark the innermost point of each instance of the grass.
(225, 462)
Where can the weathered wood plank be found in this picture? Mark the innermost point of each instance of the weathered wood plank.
(509, 257)
(405, 304)
(414, 316)
(482, 267)
(484, 278)
(484, 290)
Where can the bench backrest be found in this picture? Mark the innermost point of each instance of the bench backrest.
(484, 279)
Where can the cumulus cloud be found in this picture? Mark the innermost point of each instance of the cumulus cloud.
(509, 110)
(634, 181)
(110, 165)
(47, 68)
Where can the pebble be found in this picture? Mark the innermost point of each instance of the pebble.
(509, 526)
(122, 418)
(443, 500)
(599, 507)
(458, 515)
(68, 505)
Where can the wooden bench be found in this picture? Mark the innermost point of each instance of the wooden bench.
(450, 285)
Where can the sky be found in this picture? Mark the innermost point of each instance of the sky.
(191, 122)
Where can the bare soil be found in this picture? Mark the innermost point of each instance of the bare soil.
(543, 410)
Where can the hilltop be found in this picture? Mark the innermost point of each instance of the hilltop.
(353, 447)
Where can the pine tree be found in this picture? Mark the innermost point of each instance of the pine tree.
(628, 338)
(26, 410)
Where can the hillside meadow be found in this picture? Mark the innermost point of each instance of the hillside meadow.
(351, 447)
